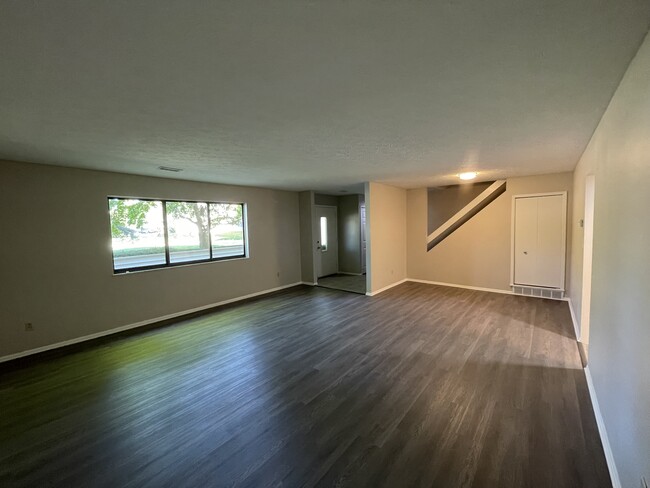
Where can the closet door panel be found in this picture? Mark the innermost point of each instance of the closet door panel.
(550, 241)
(525, 241)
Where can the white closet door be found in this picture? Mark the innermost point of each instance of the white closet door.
(550, 241)
(539, 247)
(525, 240)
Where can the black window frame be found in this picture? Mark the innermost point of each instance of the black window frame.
(168, 263)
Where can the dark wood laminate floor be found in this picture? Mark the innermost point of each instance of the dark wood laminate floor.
(419, 386)
(352, 283)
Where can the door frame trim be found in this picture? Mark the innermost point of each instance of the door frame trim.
(564, 195)
(587, 256)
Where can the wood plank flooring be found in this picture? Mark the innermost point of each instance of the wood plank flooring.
(351, 283)
(419, 386)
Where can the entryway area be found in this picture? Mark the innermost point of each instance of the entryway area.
(352, 283)
(340, 243)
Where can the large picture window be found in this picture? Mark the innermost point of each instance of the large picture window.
(149, 234)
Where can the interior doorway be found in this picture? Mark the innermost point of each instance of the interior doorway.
(338, 230)
(587, 261)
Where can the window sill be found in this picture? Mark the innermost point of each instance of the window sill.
(178, 265)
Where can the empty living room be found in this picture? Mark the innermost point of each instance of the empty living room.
(309, 243)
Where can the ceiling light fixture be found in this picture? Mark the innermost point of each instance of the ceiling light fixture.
(470, 175)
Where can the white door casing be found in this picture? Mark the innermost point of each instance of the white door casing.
(539, 240)
(587, 258)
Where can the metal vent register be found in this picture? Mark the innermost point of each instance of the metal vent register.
(532, 291)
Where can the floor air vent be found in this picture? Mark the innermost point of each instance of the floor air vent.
(531, 291)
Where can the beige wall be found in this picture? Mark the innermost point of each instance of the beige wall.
(306, 203)
(445, 202)
(386, 238)
(478, 253)
(55, 254)
(619, 336)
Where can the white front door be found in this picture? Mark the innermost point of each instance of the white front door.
(327, 243)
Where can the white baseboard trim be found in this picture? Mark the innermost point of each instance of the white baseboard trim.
(377, 292)
(122, 328)
(308, 283)
(609, 455)
(350, 274)
(467, 287)
(576, 327)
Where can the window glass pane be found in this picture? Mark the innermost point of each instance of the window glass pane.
(137, 233)
(227, 229)
(323, 233)
(187, 227)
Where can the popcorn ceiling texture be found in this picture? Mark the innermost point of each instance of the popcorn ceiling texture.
(311, 95)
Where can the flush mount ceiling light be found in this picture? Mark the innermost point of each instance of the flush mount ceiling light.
(470, 175)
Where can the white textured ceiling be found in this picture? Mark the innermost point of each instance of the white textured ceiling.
(311, 94)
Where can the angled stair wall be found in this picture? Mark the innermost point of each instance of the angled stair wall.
(486, 197)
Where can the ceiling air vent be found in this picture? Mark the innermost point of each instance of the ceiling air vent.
(169, 168)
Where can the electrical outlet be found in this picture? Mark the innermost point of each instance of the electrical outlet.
(29, 327)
